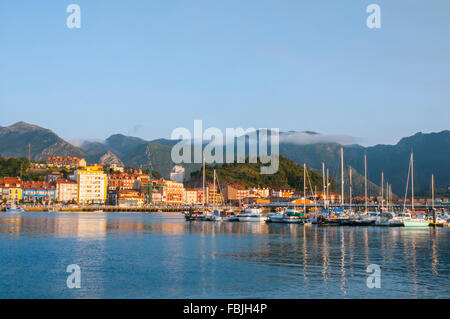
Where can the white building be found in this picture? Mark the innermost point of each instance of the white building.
(92, 185)
(66, 190)
(177, 174)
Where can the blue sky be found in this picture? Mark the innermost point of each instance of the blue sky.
(143, 68)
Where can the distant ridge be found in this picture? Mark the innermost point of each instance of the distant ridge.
(431, 152)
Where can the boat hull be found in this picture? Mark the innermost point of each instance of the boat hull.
(415, 223)
(251, 218)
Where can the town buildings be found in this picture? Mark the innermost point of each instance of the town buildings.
(38, 192)
(10, 189)
(92, 185)
(66, 190)
(130, 198)
(65, 162)
(123, 181)
(174, 193)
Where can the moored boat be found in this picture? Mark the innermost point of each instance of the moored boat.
(14, 209)
(251, 215)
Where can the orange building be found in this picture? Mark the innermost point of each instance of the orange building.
(122, 181)
(70, 162)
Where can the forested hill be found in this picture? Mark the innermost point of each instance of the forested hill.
(289, 175)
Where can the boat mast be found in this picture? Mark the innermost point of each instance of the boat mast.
(432, 191)
(204, 176)
(215, 193)
(304, 188)
(365, 178)
(382, 191)
(324, 187)
(342, 177)
(350, 188)
(412, 182)
(328, 184)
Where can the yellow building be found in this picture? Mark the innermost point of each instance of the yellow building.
(10, 189)
(92, 185)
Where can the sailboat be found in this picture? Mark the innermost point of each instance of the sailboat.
(418, 220)
(195, 213)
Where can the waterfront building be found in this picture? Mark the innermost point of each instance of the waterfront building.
(10, 189)
(213, 196)
(112, 197)
(92, 185)
(130, 198)
(236, 192)
(122, 181)
(53, 176)
(174, 193)
(34, 192)
(259, 192)
(65, 162)
(177, 174)
(191, 196)
(66, 190)
(282, 193)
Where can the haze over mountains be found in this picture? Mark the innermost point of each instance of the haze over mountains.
(431, 153)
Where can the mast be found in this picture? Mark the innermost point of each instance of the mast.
(214, 189)
(150, 183)
(204, 192)
(342, 177)
(365, 178)
(382, 191)
(412, 182)
(324, 187)
(304, 187)
(350, 188)
(327, 187)
(432, 191)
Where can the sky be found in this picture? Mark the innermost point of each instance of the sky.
(144, 68)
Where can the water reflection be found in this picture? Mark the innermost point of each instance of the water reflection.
(161, 255)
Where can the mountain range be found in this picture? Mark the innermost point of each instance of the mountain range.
(431, 153)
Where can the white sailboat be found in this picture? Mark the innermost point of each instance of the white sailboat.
(418, 220)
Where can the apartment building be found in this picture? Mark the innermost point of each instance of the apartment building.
(92, 185)
(66, 190)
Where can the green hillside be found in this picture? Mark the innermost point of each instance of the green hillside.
(289, 175)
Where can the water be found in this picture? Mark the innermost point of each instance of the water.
(162, 256)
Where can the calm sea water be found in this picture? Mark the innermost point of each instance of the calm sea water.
(163, 256)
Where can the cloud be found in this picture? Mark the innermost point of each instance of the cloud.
(305, 138)
(78, 142)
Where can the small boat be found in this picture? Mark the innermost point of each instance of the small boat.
(14, 209)
(53, 210)
(194, 214)
(98, 211)
(419, 220)
(251, 215)
(214, 217)
(290, 216)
